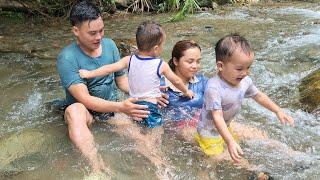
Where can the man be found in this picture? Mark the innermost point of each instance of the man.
(94, 98)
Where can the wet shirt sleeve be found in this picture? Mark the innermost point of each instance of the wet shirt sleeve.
(212, 99)
(68, 70)
(252, 89)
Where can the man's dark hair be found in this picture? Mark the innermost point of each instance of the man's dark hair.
(148, 35)
(228, 44)
(83, 11)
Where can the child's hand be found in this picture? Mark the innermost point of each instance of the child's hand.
(190, 94)
(84, 73)
(284, 118)
(235, 151)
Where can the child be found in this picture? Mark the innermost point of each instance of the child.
(145, 70)
(224, 94)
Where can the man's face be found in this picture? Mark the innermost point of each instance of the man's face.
(89, 34)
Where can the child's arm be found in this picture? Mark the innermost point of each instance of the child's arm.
(175, 80)
(234, 149)
(106, 69)
(266, 102)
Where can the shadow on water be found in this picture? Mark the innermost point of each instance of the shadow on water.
(33, 136)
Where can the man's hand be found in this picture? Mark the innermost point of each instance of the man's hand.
(235, 151)
(84, 73)
(138, 112)
(284, 118)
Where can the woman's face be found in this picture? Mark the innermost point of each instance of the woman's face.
(188, 65)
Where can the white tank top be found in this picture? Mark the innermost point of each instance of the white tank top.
(144, 77)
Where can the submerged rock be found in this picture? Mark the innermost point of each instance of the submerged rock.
(310, 92)
(29, 144)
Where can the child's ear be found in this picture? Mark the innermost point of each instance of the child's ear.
(156, 48)
(219, 65)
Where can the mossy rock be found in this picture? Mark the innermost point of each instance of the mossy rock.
(126, 46)
(310, 92)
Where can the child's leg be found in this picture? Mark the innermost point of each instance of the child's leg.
(150, 146)
(146, 144)
(245, 132)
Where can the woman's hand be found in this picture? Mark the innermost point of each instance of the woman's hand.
(163, 101)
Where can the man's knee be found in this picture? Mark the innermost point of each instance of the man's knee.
(75, 112)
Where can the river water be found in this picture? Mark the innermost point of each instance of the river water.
(33, 136)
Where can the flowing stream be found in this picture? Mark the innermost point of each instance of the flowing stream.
(33, 136)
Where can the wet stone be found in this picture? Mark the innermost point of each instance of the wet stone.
(310, 92)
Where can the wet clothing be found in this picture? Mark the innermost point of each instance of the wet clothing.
(71, 59)
(144, 82)
(61, 105)
(102, 117)
(212, 145)
(182, 108)
(154, 119)
(221, 96)
(144, 77)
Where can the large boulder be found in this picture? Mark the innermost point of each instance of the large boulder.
(310, 92)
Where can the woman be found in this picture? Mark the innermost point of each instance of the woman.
(184, 113)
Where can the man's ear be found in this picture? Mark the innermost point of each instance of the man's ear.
(219, 65)
(75, 30)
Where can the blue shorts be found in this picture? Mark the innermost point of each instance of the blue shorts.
(155, 118)
(99, 117)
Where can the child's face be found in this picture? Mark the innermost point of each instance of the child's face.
(235, 68)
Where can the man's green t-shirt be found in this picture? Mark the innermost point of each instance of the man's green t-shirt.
(72, 59)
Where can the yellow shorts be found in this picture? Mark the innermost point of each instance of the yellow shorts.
(212, 146)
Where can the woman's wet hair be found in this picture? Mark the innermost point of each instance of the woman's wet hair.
(149, 34)
(225, 47)
(178, 51)
(83, 11)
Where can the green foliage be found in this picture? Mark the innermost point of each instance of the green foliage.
(48, 8)
(189, 6)
(220, 2)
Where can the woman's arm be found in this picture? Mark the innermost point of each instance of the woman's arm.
(106, 69)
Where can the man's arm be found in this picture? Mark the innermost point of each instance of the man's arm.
(81, 94)
(106, 69)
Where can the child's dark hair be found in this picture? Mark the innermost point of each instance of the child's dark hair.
(83, 11)
(228, 44)
(148, 35)
(178, 51)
